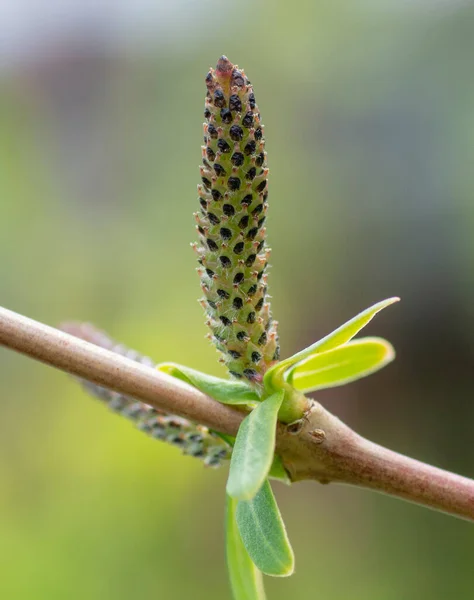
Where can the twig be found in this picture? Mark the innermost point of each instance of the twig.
(320, 448)
(116, 372)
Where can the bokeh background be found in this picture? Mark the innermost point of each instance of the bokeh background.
(369, 114)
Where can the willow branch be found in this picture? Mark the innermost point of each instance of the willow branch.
(322, 448)
(83, 359)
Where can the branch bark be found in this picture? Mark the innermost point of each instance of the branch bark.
(83, 359)
(320, 447)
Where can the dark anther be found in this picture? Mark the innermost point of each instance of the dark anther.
(247, 200)
(250, 147)
(260, 159)
(261, 186)
(216, 195)
(237, 303)
(212, 218)
(212, 304)
(219, 99)
(242, 336)
(260, 223)
(228, 209)
(223, 294)
(257, 210)
(250, 175)
(234, 353)
(223, 146)
(226, 116)
(235, 374)
(211, 244)
(252, 100)
(239, 248)
(250, 260)
(225, 261)
(206, 182)
(176, 440)
(199, 453)
(252, 290)
(260, 275)
(203, 202)
(251, 317)
(239, 277)
(258, 133)
(226, 234)
(247, 121)
(219, 169)
(212, 131)
(237, 78)
(252, 233)
(233, 183)
(236, 133)
(207, 113)
(235, 103)
(276, 356)
(259, 304)
(225, 321)
(262, 340)
(237, 159)
(256, 357)
(210, 273)
(201, 230)
(244, 221)
(211, 155)
(251, 374)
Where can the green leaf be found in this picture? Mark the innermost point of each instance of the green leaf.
(278, 472)
(254, 448)
(222, 390)
(245, 579)
(341, 365)
(264, 535)
(338, 337)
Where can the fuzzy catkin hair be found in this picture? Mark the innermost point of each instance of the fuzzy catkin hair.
(233, 205)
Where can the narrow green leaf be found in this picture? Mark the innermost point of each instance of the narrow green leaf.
(338, 337)
(341, 365)
(222, 390)
(264, 535)
(278, 472)
(246, 580)
(254, 448)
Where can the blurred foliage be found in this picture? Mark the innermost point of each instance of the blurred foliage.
(368, 108)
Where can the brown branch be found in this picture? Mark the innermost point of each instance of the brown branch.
(329, 451)
(86, 360)
(320, 448)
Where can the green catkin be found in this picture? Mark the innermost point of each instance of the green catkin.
(194, 440)
(232, 253)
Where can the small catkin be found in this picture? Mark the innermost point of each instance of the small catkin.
(194, 440)
(232, 254)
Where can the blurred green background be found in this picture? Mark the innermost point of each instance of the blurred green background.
(369, 114)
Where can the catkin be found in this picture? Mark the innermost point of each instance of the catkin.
(232, 253)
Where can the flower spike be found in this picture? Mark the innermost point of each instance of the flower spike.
(233, 206)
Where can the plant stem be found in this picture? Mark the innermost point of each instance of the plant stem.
(108, 369)
(386, 471)
(322, 448)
